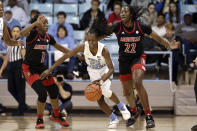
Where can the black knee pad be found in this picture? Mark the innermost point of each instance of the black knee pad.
(52, 91)
(40, 90)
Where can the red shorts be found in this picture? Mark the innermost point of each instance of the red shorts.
(32, 74)
(126, 68)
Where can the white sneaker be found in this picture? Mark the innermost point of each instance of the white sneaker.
(113, 124)
(125, 113)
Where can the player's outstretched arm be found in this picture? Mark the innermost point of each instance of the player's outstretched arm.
(109, 63)
(4, 65)
(7, 39)
(172, 45)
(26, 31)
(71, 53)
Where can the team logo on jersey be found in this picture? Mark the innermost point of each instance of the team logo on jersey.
(123, 33)
(38, 40)
(137, 32)
(47, 40)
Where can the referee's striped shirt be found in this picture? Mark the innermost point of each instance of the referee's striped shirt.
(14, 53)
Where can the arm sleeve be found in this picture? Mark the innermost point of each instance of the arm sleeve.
(52, 40)
(33, 34)
(146, 29)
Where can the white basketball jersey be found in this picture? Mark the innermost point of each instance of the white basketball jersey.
(96, 62)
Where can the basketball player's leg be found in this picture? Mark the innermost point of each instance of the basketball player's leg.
(138, 70)
(105, 108)
(52, 90)
(107, 92)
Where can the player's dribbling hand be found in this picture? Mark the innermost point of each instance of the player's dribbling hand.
(45, 74)
(174, 44)
(195, 61)
(20, 43)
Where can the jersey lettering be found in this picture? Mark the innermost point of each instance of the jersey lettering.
(130, 48)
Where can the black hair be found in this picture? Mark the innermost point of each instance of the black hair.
(17, 27)
(98, 1)
(135, 12)
(186, 15)
(61, 13)
(34, 19)
(177, 13)
(151, 3)
(62, 27)
(161, 14)
(35, 11)
(100, 28)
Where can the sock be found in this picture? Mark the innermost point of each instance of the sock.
(121, 106)
(40, 116)
(56, 112)
(112, 117)
(134, 109)
(147, 112)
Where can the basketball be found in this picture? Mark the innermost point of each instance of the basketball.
(93, 92)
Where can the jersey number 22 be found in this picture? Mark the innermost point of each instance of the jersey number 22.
(130, 48)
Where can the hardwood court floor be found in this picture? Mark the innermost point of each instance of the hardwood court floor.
(98, 123)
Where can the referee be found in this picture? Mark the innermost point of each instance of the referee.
(16, 81)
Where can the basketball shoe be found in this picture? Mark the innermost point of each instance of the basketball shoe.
(59, 119)
(113, 123)
(39, 124)
(133, 118)
(125, 113)
(150, 123)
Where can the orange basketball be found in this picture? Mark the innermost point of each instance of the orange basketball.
(93, 92)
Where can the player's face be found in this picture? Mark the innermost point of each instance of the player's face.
(44, 26)
(16, 33)
(1, 10)
(117, 9)
(125, 14)
(92, 39)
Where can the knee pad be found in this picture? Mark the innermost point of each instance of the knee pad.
(40, 90)
(106, 91)
(52, 91)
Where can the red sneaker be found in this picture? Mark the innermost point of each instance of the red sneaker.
(59, 119)
(39, 124)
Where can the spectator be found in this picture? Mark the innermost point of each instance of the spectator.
(21, 3)
(187, 31)
(140, 3)
(162, 6)
(61, 18)
(178, 59)
(16, 81)
(115, 16)
(174, 15)
(160, 28)
(67, 41)
(10, 21)
(65, 94)
(18, 12)
(150, 16)
(92, 14)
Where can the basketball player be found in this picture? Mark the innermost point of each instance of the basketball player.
(129, 32)
(100, 68)
(33, 65)
(4, 34)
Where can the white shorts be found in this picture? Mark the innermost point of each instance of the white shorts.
(96, 75)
